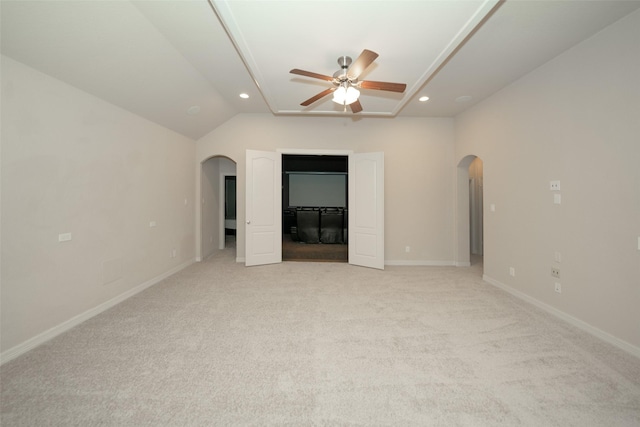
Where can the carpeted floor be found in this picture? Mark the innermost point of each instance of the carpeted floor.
(322, 344)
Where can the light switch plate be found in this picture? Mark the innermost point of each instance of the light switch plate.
(557, 257)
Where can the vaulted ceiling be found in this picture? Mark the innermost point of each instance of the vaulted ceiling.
(183, 63)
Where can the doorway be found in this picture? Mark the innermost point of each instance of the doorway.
(315, 208)
(470, 208)
(263, 206)
(476, 238)
(218, 205)
(229, 205)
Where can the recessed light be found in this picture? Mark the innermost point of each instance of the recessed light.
(423, 99)
(244, 95)
(463, 99)
(192, 111)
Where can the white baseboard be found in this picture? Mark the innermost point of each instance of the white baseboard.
(240, 259)
(45, 336)
(605, 336)
(463, 264)
(419, 263)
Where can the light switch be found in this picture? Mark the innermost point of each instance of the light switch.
(557, 199)
(492, 207)
(64, 237)
(557, 257)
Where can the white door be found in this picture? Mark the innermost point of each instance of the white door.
(366, 210)
(263, 224)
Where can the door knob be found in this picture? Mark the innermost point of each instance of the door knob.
(248, 222)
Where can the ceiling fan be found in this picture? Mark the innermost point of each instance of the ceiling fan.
(346, 83)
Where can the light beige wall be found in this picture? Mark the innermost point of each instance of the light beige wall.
(72, 163)
(577, 120)
(419, 177)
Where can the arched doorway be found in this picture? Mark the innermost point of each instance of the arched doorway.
(218, 205)
(469, 221)
(476, 219)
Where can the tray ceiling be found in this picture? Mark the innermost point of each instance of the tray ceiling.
(160, 59)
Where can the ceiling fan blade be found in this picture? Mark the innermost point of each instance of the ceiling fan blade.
(318, 96)
(391, 87)
(310, 74)
(356, 107)
(361, 63)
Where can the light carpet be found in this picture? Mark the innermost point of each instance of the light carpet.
(306, 344)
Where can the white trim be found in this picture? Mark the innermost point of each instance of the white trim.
(45, 336)
(419, 263)
(240, 259)
(462, 264)
(598, 333)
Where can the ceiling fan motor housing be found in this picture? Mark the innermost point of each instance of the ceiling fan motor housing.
(344, 62)
(341, 75)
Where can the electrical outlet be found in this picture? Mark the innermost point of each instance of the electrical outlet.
(554, 185)
(555, 272)
(512, 271)
(558, 288)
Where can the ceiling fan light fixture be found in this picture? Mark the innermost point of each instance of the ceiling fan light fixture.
(345, 95)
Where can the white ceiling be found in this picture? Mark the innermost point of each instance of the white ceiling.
(159, 58)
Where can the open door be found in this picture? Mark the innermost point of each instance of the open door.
(366, 210)
(263, 225)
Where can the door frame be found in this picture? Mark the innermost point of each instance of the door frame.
(349, 153)
(463, 226)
